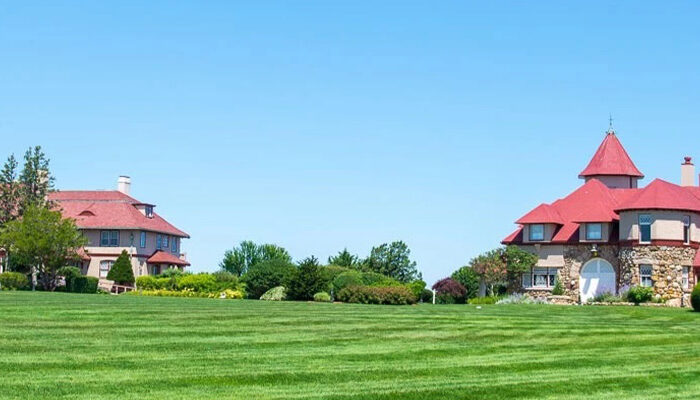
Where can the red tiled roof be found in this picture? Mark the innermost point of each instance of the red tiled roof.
(662, 195)
(163, 257)
(611, 159)
(109, 210)
(542, 214)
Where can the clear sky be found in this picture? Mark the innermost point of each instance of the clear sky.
(324, 125)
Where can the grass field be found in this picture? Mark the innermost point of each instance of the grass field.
(58, 345)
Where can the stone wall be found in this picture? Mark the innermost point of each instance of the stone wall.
(575, 256)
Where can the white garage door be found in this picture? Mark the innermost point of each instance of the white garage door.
(597, 277)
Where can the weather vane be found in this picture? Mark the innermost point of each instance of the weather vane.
(610, 127)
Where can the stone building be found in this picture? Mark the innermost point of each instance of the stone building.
(610, 234)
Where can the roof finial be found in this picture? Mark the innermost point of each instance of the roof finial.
(610, 126)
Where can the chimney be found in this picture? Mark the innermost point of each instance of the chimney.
(688, 172)
(124, 184)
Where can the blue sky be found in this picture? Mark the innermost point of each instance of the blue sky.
(324, 125)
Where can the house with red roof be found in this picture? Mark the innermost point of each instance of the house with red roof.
(611, 234)
(113, 221)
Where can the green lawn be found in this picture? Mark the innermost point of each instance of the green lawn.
(57, 345)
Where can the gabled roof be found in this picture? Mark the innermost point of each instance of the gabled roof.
(163, 257)
(662, 195)
(109, 209)
(611, 159)
(542, 214)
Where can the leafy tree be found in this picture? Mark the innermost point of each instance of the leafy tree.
(393, 260)
(344, 259)
(43, 240)
(491, 268)
(469, 279)
(307, 280)
(9, 191)
(449, 291)
(121, 272)
(248, 254)
(518, 261)
(265, 275)
(35, 179)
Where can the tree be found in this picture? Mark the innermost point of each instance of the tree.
(491, 268)
(518, 262)
(43, 240)
(267, 274)
(449, 291)
(35, 180)
(121, 272)
(248, 254)
(344, 259)
(469, 279)
(392, 260)
(9, 191)
(307, 280)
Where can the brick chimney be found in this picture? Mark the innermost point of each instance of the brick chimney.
(124, 184)
(688, 172)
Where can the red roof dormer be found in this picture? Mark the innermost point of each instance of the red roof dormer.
(611, 159)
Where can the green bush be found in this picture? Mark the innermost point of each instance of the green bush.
(426, 296)
(13, 281)
(306, 280)
(607, 297)
(203, 283)
(92, 285)
(146, 282)
(695, 298)
(172, 272)
(394, 295)
(348, 278)
(278, 293)
(266, 275)
(485, 300)
(416, 287)
(121, 272)
(330, 272)
(322, 297)
(69, 274)
(227, 280)
(640, 294)
(469, 279)
(558, 289)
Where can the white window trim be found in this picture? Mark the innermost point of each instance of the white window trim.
(642, 276)
(685, 278)
(551, 271)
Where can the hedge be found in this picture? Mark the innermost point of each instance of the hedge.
(695, 298)
(13, 281)
(395, 295)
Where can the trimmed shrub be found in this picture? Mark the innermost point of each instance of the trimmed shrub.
(695, 298)
(203, 283)
(558, 289)
(640, 294)
(121, 272)
(146, 282)
(330, 272)
(306, 280)
(267, 275)
(172, 272)
(69, 274)
(322, 297)
(394, 295)
(92, 285)
(13, 281)
(426, 296)
(348, 278)
(416, 287)
(227, 280)
(278, 293)
(484, 300)
(377, 279)
(449, 291)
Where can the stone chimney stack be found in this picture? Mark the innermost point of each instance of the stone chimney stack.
(124, 184)
(688, 172)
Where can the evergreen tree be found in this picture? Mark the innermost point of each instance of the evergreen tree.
(392, 260)
(35, 179)
(121, 272)
(307, 280)
(9, 191)
(344, 259)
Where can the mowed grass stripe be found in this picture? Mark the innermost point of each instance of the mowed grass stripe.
(132, 347)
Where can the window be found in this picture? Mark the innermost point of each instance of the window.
(143, 239)
(645, 275)
(155, 269)
(540, 277)
(105, 266)
(109, 238)
(644, 228)
(686, 229)
(149, 211)
(536, 232)
(686, 277)
(159, 242)
(594, 231)
(173, 245)
(165, 241)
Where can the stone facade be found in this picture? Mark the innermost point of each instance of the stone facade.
(667, 269)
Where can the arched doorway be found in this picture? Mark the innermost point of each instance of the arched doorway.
(597, 277)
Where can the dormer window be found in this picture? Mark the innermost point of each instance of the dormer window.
(536, 232)
(149, 211)
(594, 231)
(686, 229)
(644, 228)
